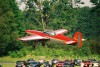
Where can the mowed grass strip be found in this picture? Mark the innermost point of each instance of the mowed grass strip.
(13, 65)
(9, 59)
(8, 64)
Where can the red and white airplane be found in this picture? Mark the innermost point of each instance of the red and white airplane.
(53, 36)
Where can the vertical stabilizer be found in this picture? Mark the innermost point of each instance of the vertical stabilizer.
(78, 38)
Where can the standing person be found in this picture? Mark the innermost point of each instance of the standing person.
(23, 65)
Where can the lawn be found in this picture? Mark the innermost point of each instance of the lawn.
(7, 61)
(7, 65)
(13, 65)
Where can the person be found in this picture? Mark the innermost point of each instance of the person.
(41, 61)
(23, 65)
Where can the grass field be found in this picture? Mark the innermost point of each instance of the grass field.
(13, 65)
(8, 65)
(7, 61)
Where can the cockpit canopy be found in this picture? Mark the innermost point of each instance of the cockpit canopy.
(51, 33)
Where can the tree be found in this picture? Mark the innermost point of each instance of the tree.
(8, 26)
(96, 11)
(51, 14)
(96, 8)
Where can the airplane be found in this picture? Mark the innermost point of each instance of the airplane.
(53, 36)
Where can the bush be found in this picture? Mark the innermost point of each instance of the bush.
(13, 54)
(17, 54)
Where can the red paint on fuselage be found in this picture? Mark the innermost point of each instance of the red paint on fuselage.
(58, 36)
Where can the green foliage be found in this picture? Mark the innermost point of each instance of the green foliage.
(95, 45)
(45, 51)
(61, 51)
(56, 14)
(88, 23)
(8, 26)
(17, 54)
(61, 16)
(13, 54)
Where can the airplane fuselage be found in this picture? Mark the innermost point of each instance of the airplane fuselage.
(55, 38)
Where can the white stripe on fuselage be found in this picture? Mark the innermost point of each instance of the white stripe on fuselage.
(70, 42)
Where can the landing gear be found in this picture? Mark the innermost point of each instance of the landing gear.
(43, 42)
(35, 44)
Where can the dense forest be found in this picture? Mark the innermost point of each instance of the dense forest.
(48, 15)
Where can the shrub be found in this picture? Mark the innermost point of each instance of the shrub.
(13, 54)
(17, 54)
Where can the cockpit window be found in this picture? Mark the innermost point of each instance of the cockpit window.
(51, 33)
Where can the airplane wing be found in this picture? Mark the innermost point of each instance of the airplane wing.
(60, 31)
(32, 37)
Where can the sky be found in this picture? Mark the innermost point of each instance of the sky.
(87, 3)
(22, 4)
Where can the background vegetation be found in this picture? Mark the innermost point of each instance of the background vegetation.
(48, 15)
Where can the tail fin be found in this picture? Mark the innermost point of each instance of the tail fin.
(78, 38)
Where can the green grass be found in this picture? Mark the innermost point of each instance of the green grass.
(8, 65)
(9, 59)
(13, 65)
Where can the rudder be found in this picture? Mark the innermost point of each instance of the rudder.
(78, 38)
